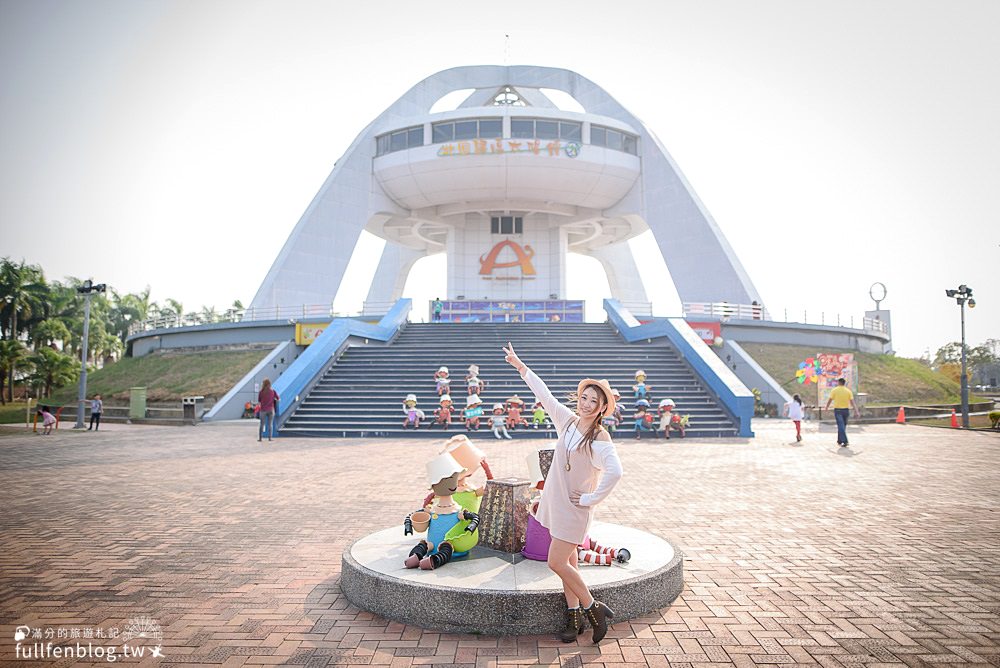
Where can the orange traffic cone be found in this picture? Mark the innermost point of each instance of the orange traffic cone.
(901, 416)
(954, 419)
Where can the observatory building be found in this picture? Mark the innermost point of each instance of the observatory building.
(506, 185)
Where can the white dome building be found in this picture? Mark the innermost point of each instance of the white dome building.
(505, 185)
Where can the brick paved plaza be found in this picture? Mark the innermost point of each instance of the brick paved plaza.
(888, 554)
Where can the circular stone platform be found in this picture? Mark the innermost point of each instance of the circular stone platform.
(494, 593)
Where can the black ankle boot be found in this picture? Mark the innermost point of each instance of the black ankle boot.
(598, 615)
(574, 625)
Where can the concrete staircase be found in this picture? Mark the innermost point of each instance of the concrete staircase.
(362, 393)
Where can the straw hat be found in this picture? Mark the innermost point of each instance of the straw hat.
(472, 400)
(464, 452)
(605, 387)
(441, 467)
(515, 400)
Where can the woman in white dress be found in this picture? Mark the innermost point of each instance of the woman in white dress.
(585, 468)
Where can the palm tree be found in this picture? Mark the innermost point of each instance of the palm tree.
(54, 369)
(22, 290)
(11, 353)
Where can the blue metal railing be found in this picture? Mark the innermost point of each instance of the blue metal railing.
(293, 385)
(719, 378)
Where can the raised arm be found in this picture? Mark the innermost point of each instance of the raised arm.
(561, 415)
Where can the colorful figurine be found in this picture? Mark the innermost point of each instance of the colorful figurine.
(413, 414)
(666, 408)
(442, 380)
(499, 421)
(451, 529)
(473, 411)
(514, 407)
(678, 423)
(590, 552)
(471, 459)
(442, 414)
(643, 420)
(538, 416)
(473, 382)
(641, 389)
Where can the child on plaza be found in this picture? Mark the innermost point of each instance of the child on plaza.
(794, 411)
(48, 420)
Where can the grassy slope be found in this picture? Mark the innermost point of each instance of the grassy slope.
(167, 377)
(886, 379)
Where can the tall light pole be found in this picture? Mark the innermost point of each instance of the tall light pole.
(962, 295)
(87, 290)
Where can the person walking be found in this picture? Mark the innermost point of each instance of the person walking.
(585, 468)
(96, 410)
(794, 411)
(842, 400)
(268, 400)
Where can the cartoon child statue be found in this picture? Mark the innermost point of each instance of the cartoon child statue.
(451, 530)
(442, 414)
(538, 417)
(641, 389)
(413, 414)
(473, 381)
(442, 380)
(473, 411)
(515, 405)
(499, 422)
(471, 459)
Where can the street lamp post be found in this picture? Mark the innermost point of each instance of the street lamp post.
(87, 290)
(962, 295)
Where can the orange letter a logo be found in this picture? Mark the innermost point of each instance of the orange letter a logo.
(489, 261)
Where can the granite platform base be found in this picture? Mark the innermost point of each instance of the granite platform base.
(494, 593)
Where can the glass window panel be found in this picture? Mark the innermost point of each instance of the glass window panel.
(615, 140)
(443, 132)
(522, 128)
(519, 225)
(598, 136)
(383, 145)
(631, 145)
(506, 225)
(490, 128)
(495, 225)
(415, 137)
(546, 129)
(398, 141)
(465, 130)
(570, 131)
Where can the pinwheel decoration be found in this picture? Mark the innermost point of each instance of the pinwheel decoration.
(808, 371)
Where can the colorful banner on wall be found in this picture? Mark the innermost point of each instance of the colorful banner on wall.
(306, 333)
(830, 368)
(706, 330)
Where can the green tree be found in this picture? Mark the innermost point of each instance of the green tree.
(53, 369)
(23, 294)
(12, 353)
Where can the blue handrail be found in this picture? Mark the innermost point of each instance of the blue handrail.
(292, 385)
(719, 378)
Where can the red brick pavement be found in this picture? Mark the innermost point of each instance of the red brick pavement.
(888, 555)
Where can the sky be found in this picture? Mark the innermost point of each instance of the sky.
(175, 144)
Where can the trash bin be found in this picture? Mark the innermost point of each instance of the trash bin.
(137, 403)
(192, 408)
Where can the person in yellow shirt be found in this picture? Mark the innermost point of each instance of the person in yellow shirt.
(842, 400)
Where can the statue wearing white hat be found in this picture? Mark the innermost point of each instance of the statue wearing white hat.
(451, 529)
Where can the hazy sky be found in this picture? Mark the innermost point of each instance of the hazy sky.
(176, 144)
